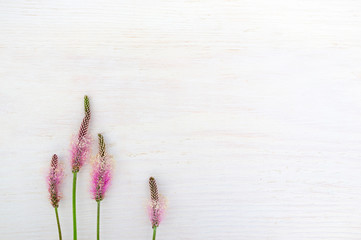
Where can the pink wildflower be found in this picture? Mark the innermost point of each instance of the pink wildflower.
(157, 204)
(102, 172)
(80, 147)
(56, 174)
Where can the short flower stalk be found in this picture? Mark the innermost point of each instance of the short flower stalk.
(100, 177)
(54, 179)
(156, 207)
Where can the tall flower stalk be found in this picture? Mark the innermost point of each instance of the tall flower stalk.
(156, 207)
(54, 179)
(100, 177)
(80, 150)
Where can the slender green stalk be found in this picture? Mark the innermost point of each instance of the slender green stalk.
(74, 206)
(154, 232)
(98, 220)
(58, 222)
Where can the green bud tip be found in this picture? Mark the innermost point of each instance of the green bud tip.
(86, 104)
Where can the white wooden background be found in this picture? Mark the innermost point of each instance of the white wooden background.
(247, 112)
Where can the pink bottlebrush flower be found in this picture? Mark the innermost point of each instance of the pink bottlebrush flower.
(157, 204)
(102, 172)
(80, 147)
(56, 174)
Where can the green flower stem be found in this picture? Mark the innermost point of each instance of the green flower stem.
(58, 222)
(74, 206)
(154, 232)
(98, 220)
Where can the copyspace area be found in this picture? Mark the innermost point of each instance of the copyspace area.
(248, 113)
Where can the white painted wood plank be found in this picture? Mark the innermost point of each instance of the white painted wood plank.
(246, 112)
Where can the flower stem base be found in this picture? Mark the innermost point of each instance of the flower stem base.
(154, 232)
(74, 206)
(98, 220)
(58, 222)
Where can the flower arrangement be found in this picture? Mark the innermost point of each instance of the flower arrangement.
(101, 176)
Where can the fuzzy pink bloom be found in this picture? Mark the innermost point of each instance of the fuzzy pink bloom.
(101, 175)
(156, 211)
(55, 177)
(80, 151)
(157, 204)
(80, 147)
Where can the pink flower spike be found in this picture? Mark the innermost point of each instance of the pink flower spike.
(157, 204)
(80, 147)
(55, 177)
(101, 175)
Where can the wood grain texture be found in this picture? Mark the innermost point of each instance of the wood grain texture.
(248, 113)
